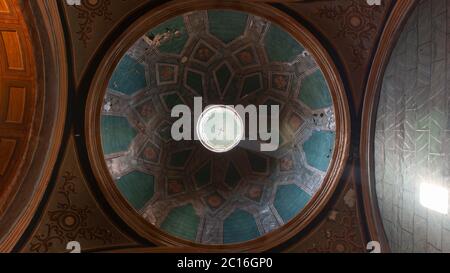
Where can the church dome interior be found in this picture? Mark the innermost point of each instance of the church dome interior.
(224, 126)
(228, 58)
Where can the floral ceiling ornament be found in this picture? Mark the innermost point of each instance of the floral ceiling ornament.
(355, 24)
(88, 11)
(68, 222)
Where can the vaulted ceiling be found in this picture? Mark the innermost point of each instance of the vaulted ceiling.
(181, 189)
(226, 57)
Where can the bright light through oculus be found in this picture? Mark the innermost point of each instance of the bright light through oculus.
(434, 197)
(220, 128)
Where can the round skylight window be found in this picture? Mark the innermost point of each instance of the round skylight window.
(220, 128)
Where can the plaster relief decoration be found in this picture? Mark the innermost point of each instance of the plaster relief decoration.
(72, 215)
(69, 222)
(88, 10)
(89, 22)
(338, 233)
(357, 25)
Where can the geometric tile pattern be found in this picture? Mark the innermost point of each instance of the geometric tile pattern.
(225, 57)
(180, 159)
(171, 100)
(280, 46)
(247, 57)
(280, 82)
(195, 81)
(137, 187)
(203, 176)
(175, 186)
(129, 76)
(182, 222)
(252, 83)
(314, 91)
(319, 149)
(289, 199)
(258, 163)
(117, 134)
(145, 110)
(232, 227)
(412, 140)
(166, 74)
(204, 53)
(226, 26)
(150, 153)
(232, 176)
(223, 76)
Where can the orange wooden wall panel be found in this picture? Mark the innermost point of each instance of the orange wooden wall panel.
(16, 105)
(14, 54)
(18, 98)
(7, 147)
(4, 7)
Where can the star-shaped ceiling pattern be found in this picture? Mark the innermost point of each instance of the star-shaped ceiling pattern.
(226, 57)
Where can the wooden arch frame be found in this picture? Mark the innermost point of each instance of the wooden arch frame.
(389, 38)
(99, 85)
(48, 62)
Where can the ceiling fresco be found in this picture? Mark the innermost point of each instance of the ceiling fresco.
(226, 57)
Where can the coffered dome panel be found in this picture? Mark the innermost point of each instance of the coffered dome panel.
(184, 190)
(181, 187)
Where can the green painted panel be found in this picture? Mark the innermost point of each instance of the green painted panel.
(176, 44)
(165, 132)
(289, 201)
(203, 176)
(314, 91)
(232, 177)
(128, 77)
(182, 222)
(172, 100)
(281, 46)
(179, 159)
(319, 149)
(240, 226)
(257, 162)
(227, 25)
(117, 134)
(251, 84)
(138, 188)
(223, 75)
(195, 81)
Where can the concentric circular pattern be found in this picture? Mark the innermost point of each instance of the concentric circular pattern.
(228, 58)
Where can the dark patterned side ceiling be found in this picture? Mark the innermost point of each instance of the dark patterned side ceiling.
(352, 28)
(227, 58)
(90, 23)
(412, 138)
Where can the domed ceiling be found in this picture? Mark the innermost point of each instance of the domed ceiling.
(231, 58)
